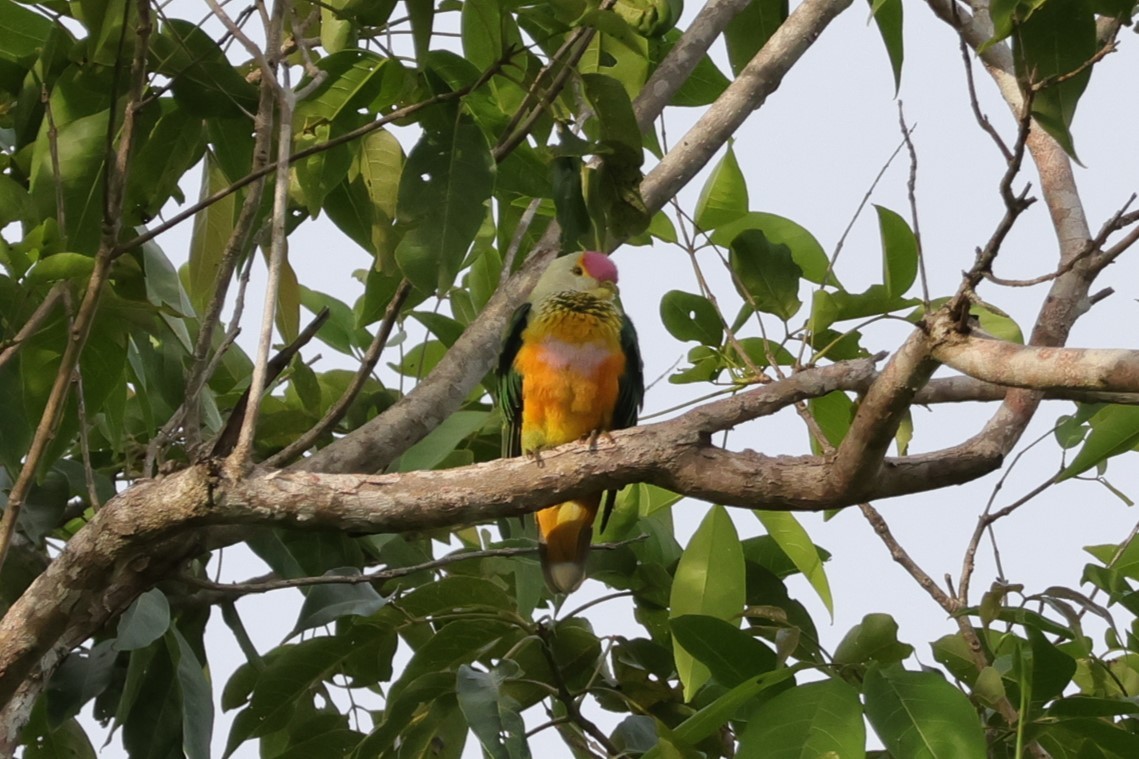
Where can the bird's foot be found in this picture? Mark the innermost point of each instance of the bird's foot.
(596, 435)
(536, 455)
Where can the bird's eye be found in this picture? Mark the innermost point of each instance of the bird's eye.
(576, 271)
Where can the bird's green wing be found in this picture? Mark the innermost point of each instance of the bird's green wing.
(631, 386)
(630, 396)
(510, 384)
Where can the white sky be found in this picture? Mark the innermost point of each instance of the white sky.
(810, 154)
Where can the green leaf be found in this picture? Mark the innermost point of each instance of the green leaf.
(1114, 430)
(481, 28)
(888, 16)
(805, 249)
(875, 639)
(456, 644)
(325, 604)
(785, 529)
(1055, 41)
(691, 317)
(60, 266)
(1088, 706)
(197, 698)
(730, 654)
(712, 717)
(145, 621)
(422, 16)
(822, 719)
(448, 177)
(431, 450)
(703, 85)
(287, 681)
(212, 228)
(78, 150)
(204, 82)
(899, 252)
(919, 715)
(765, 274)
(494, 717)
(709, 580)
(750, 30)
(723, 198)
(24, 33)
(82, 676)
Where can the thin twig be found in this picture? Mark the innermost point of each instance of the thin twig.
(911, 193)
(569, 701)
(336, 412)
(975, 104)
(241, 457)
(267, 584)
(34, 322)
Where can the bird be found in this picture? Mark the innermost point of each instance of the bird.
(570, 369)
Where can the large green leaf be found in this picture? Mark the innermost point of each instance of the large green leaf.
(494, 717)
(711, 718)
(1051, 46)
(709, 580)
(731, 655)
(78, 151)
(212, 229)
(751, 29)
(888, 16)
(145, 621)
(899, 252)
(875, 639)
(1115, 430)
(455, 644)
(441, 441)
(196, 697)
(481, 26)
(765, 274)
(723, 198)
(24, 32)
(325, 604)
(203, 80)
(691, 317)
(286, 683)
(919, 715)
(822, 719)
(790, 536)
(806, 251)
(448, 177)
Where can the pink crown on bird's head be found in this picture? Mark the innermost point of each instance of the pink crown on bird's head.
(599, 266)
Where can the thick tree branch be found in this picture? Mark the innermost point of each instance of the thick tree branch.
(681, 61)
(762, 75)
(861, 452)
(1039, 368)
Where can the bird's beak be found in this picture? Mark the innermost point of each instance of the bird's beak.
(608, 288)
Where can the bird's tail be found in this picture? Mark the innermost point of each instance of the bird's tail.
(564, 532)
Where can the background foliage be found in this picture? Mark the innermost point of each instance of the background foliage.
(441, 139)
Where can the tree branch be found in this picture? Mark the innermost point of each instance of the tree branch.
(374, 445)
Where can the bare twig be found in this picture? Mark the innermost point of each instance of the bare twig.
(336, 412)
(975, 104)
(35, 321)
(911, 194)
(569, 701)
(286, 100)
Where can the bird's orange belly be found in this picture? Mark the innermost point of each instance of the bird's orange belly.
(570, 390)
